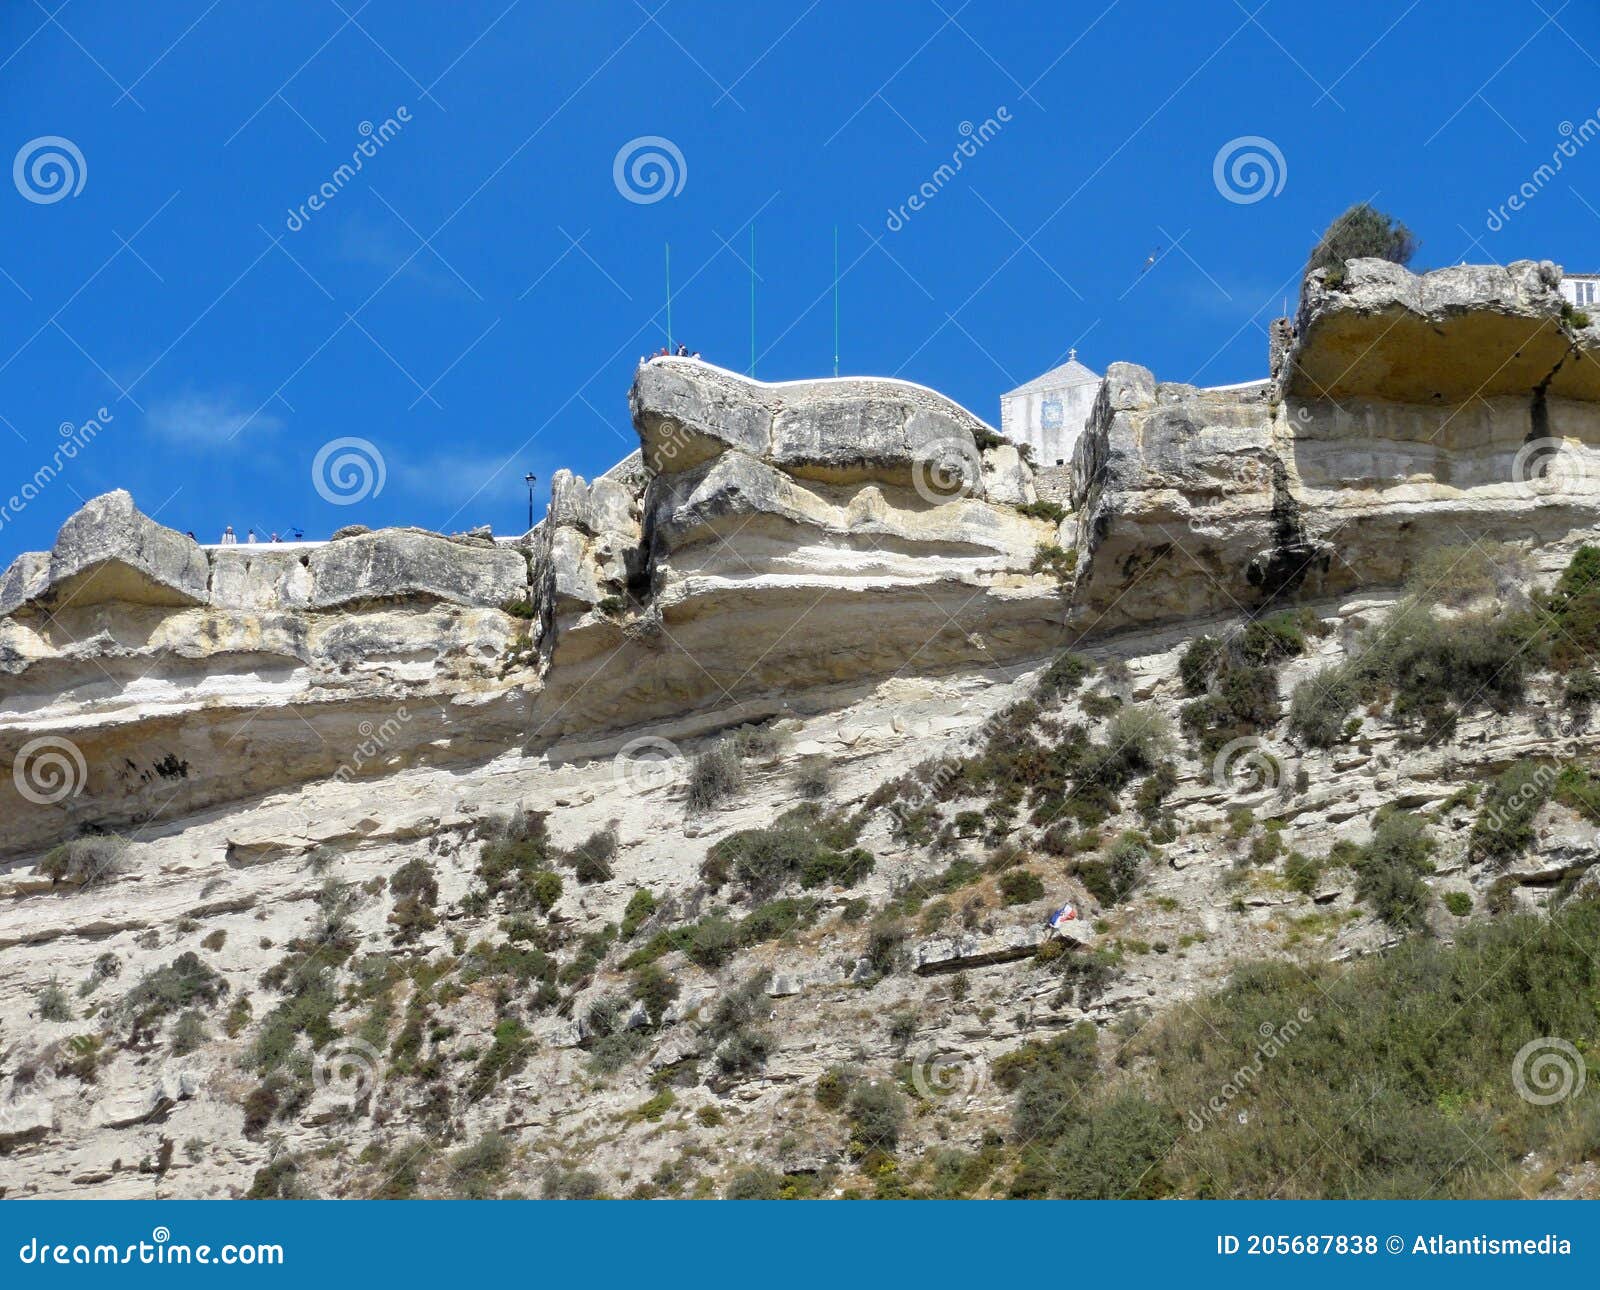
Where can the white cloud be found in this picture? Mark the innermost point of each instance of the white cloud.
(201, 418)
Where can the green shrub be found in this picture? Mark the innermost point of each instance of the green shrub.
(1197, 662)
(813, 776)
(188, 1033)
(877, 1113)
(1049, 1079)
(1113, 1151)
(591, 859)
(1458, 575)
(1361, 232)
(1113, 879)
(640, 906)
(655, 988)
(186, 982)
(1398, 1054)
(715, 776)
(833, 1087)
(1504, 827)
(1458, 903)
(53, 1003)
(1574, 602)
(476, 1172)
(561, 1183)
(1065, 674)
(1020, 886)
(1581, 691)
(1052, 558)
(86, 862)
(797, 847)
(1275, 637)
(754, 1182)
(515, 862)
(1433, 670)
(1054, 512)
(1301, 872)
(1389, 868)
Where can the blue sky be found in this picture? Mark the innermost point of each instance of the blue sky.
(474, 299)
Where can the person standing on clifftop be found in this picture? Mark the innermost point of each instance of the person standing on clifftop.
(228, 538)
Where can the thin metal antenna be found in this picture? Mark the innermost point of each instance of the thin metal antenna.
(836, 300)
(669, 297)
(752, 299)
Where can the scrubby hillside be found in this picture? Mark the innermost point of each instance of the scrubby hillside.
(704, 842)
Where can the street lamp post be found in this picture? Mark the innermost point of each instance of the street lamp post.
(530, 480)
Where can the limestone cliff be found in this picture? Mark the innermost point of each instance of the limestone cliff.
(628, 848)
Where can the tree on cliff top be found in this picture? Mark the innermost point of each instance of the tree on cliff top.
(1362, 231)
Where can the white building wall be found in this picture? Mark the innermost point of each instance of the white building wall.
(1582, 292)
(1050, 420)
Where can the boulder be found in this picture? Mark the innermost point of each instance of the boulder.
(27, 1119)
(687, 412)
(1454, 334)
(407, 564)
(108, 551)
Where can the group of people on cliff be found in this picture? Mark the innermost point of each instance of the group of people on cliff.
(666, 351)
(230, 538)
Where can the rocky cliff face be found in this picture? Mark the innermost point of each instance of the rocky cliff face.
(615, 849)
(1411, 412)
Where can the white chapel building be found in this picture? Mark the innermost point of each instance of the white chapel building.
(1050, 410)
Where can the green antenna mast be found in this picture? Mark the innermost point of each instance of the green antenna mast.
(669, 297)
(836, 300)
(752, 300)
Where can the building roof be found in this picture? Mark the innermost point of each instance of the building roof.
(1072, 372)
